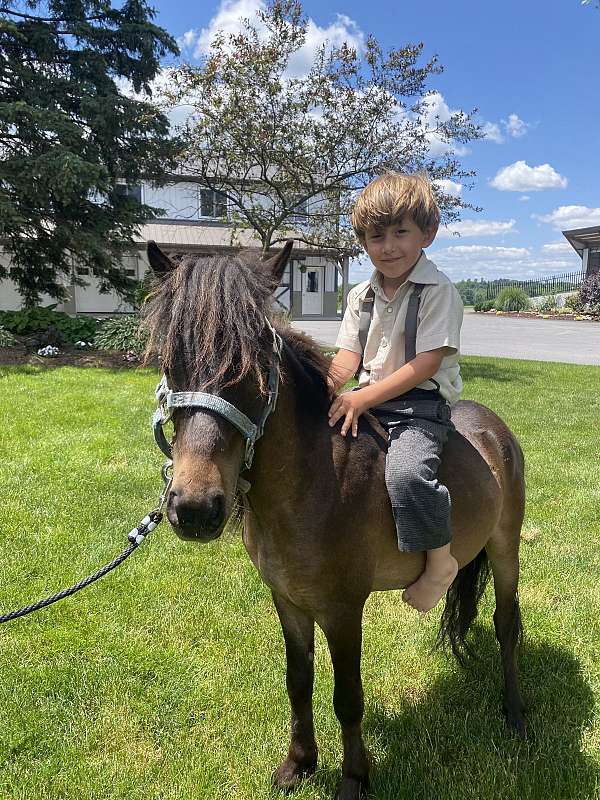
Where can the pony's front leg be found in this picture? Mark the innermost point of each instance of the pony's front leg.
(299, 634)
(344, 637)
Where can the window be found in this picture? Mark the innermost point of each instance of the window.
(312, 281)
(300, 211)
(134, 192)
(213, 205)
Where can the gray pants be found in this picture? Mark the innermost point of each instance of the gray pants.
(418, 428)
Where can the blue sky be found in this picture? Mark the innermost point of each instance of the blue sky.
(531, 68)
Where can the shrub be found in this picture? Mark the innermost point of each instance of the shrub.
(572, 301)
(511, 298)
(39, 320)
(486, 305)
(548, 303)
(6, 338)
(480, 297)
(121, 333)
(589, 294)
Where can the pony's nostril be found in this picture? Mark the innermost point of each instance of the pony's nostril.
(207, 512)
(217, 506)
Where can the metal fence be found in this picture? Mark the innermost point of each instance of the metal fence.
(569, 282)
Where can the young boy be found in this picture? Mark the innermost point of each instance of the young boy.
(409, 390)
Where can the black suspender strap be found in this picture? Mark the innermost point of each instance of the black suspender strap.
(364, 322)
(410, 325)
(366, 315)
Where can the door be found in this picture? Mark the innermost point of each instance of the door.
(312, 291)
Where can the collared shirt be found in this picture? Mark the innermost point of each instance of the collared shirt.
(438, 325)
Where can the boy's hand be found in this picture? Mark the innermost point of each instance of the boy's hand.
(350, 405)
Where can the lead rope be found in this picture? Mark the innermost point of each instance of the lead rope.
(136, 536)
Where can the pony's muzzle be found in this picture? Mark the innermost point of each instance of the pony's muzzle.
(197, 519)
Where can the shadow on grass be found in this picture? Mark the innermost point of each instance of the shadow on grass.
(488, 371)
(452, 744)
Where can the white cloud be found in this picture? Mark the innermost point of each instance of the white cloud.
(524, 198)
(343, 30)
(436, 111)
(520, 177)
(557, 247)
(489, 262)
(566, 217)
(475, 251)
(229, 20)
(449, 187)
(177, 115)
(484, 261)
(477, 227)
(492, 131)
(515, 127)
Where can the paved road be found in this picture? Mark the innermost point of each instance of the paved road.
(511, 337)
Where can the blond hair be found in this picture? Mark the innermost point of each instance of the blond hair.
(393, 196)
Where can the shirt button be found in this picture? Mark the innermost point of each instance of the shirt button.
(389, 309)
(383, 343)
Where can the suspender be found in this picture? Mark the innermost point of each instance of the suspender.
(410, 325)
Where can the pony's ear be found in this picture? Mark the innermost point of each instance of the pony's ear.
(275, 266)
(160, 263)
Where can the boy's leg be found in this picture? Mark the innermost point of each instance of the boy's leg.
(421, 504)
(427, 591)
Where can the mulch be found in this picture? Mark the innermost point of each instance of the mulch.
(69, 357)
(534, 315)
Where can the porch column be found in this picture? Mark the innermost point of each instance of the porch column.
(345, 274)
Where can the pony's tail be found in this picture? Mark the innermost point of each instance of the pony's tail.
(462, 601)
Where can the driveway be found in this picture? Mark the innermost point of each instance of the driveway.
(509, 337)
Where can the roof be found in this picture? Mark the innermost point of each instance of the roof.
(200, 237)
(580, 238)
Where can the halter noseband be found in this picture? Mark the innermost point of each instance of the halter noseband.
(168, 400)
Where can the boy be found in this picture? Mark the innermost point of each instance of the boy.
(406, 380)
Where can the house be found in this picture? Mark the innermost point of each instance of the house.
(196, 222)
(586, 242)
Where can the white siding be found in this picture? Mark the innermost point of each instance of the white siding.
(179, 200)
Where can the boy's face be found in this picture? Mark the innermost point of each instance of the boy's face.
(395, 249)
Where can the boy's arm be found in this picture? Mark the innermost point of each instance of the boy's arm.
(353, 404)
(420, 369)
(343, 366)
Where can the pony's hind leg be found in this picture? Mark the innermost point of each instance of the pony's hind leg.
(503, 553)
(299, 634)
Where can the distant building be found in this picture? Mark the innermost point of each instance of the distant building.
(586, 241)
(194, 223)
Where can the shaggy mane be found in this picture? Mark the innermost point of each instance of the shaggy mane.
(206, 317)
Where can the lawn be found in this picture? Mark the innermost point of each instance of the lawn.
(165, 681)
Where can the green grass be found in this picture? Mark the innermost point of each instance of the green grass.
(165, 681)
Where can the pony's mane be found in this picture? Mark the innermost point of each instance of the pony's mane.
(206, 318)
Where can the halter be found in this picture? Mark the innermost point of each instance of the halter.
(168, 400)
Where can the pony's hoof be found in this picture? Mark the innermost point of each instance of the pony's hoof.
(352, 789)
(515, 722)
(289, 774)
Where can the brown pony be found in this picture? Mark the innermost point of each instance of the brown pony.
(317, 519)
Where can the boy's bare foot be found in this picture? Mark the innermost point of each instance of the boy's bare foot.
(427, 591)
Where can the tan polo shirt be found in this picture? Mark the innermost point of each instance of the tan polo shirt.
(438, 325)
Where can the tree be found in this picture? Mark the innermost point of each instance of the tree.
(71, 140)
(288, 153)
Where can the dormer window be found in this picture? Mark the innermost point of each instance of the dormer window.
(213, 205)
(133, 191)
(299, 212)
